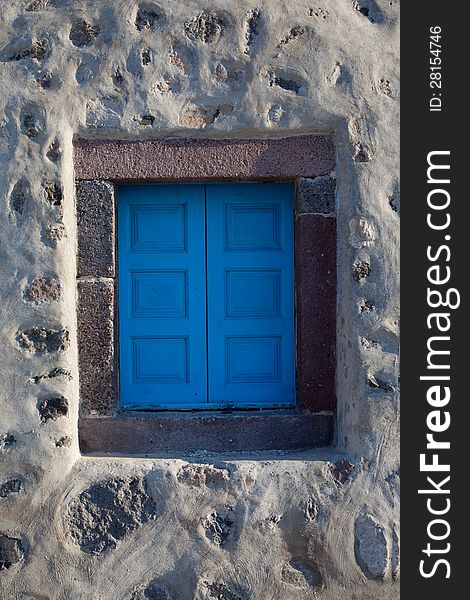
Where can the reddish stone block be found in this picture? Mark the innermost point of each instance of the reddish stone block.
(95, 229)
(315, 258)
(198, 160)
(163, 433)
(316, 195)
(96, 356)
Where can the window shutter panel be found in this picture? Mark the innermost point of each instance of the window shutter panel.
(162, 296)
(250, 278)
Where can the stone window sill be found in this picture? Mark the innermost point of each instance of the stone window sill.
(186, 432)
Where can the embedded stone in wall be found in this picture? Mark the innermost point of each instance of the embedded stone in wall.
(336, 76)
(364, 7)
(218, 525)
(96, 346)
(43, 341)
(147, 119)
(311, 509)
(202, 475)
(292, 35)
(43, 289)
(39, 4)
(53, 408)
(83, 33)
(54, 153)
(272, 520)
(274, 115)
(384, 86)
(117, 77)
(251, 28)
(377, 383)
(361, 270)
(54, 233)
(341, 470)
(32, 121)
(198, 117)
(319, 13)
(362, 154)
(87, 71)
(95, 229)
(44, 80)
(370, 547)
(57, 373)
(11, 486)
(224, 109)
(19, 196)
(152, 591)
(107, 511)
(11, 551)
(316, 195)
(222, 591)
(365, 306)
(145, 56)
(104, 113)
(163, 88)
(35, 49)
(369, 344)
(394, 202)
(362, 233)
(206, 27)
(148, 16)
(288, 82)
(7, 441)
(180, 57)
(300, 575)
(64, 442)
(221, 73)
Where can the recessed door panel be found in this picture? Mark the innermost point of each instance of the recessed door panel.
(160, 293)
(158, 228)
(253, 293)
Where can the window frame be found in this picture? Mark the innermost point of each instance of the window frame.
(100, 165)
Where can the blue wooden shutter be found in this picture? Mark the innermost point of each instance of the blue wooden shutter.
(250, 294)
(162, 296)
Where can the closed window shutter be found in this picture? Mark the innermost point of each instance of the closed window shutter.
(206, 296)
(162, 296)
(250, 294)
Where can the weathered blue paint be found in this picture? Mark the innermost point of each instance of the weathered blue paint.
(213, 259)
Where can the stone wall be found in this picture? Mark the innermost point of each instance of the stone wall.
(259, 526)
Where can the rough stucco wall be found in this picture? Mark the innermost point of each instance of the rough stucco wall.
(320, 524)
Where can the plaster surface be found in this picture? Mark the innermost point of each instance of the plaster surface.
(278, 526)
